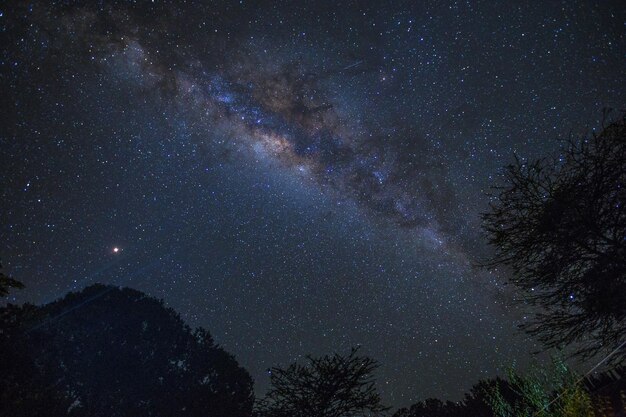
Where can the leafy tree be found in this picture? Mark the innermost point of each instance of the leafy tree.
(476, 403)
(26, 388)
(555, 392)
(329, 386)
(7, 282)
(116, 352)
(431, 407)
(560, 226)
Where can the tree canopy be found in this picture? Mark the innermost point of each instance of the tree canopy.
(328, 386)
(114, 352)
(475, 403)
(559, 225)
(553, 391)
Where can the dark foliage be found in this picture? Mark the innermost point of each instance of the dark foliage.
(7, 282)
(609, 389)
(560, 226)
(613, 380)
(475, 403)
(329, 386)
(114, 352)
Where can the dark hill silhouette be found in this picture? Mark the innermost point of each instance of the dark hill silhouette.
(107, 351)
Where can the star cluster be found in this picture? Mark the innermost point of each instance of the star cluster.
(296, 177)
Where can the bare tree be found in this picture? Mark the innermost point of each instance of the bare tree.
(330, 386)
(560, 226)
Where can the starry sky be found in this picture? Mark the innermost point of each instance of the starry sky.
(297, 177)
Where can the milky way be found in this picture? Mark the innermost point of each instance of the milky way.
(284, 115)
(297, 178)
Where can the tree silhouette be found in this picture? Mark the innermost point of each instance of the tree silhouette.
(560, 226)
(116, 352)
(552, 391)
(26, 388)
(475, 403)
(7, 282)
(329, 386)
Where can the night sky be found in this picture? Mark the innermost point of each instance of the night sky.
(297, 177)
